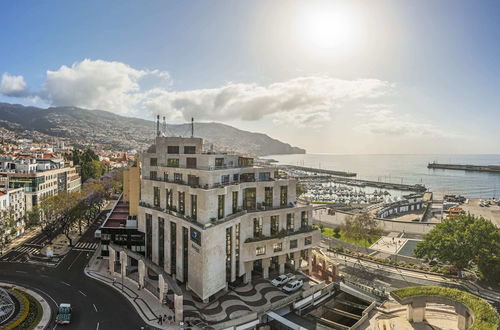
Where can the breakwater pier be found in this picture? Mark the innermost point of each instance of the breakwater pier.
(461, 167)
(319, 170)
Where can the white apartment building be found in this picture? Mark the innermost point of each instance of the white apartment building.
(41, 184)
(12, 208)
(210, 219)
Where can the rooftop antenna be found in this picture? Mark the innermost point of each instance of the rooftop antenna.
(192, 127)
(164, 126)
(157, 125)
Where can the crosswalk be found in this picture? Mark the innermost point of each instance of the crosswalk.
(86, 246)
(27, 249)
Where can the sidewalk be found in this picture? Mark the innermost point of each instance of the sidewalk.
(30, 233)
(145, 303)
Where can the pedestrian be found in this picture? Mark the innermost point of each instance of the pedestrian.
(165, 317)
(159, 320)
(170, 319)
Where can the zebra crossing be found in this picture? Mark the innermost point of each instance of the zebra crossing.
(27, 249)
(86, 246)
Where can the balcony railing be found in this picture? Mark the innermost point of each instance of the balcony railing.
(282, 234)
(211, 167)
(205, 186)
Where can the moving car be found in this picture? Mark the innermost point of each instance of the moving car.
(293, 286)
(282, 279)
(63, 314)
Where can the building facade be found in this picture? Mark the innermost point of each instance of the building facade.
(41, 184)
(12, 211)
(211, 219)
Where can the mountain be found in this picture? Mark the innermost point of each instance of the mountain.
(110, 131)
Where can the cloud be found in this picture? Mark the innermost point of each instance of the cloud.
(112, 86)
(379, 119)
(305, 99)
(13, 86)
(120, 88)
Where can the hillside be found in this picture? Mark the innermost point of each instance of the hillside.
(108, 130)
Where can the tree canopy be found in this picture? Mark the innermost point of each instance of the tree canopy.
(360, 226)
(88, 160)
(463, 241)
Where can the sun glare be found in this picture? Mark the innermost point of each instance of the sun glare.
(328, 30)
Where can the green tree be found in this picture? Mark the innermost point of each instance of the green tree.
(92, 169)
(361, 226)
(462, 241)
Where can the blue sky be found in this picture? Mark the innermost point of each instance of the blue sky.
(386, 77)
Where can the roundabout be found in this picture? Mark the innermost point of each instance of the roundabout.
(22, 308)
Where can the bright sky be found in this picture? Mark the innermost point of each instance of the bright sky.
(329, 76)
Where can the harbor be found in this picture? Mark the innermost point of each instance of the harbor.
(466, 167)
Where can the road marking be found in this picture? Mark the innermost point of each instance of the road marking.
(82, 293)
(97, 328)
(95, 307)
(65, 283)
(55, 326)
(21, 271)
(74, 261)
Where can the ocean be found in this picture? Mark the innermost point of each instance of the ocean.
(410, 169)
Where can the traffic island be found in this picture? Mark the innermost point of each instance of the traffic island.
(22, 308)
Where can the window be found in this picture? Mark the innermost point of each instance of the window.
(156, 196)
(219, 162)
(257, 227)
(264, 176)
(261, 250)
(161, 242)
(169, 199)
(304, 219)
(308, 240)
(191, 162)
(229, 248)
(268, 196)
(173, 149)
(277, 247)
(290, 222)
(249, 198)
(173, 247)
(189, 150)
(153, 162)
(194, 206)
(152, 175)
(235, 201)
(149, 236)
(283, 195)
(293, 244)
(247, 177)
(181, 202)
(275, 225)
(237, 247)
(165, 176)
(220, 206)
(236, 177)
(173, 162)
(224, 179)
(193, 180)
(178, 177)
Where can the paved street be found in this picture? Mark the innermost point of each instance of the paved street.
(95, 305)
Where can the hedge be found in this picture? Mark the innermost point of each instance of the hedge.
(485, 315)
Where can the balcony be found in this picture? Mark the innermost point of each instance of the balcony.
(214, 221)
(282, 234)
(203, 186)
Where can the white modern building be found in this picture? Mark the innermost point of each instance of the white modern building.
(12, 211)
(211, 219)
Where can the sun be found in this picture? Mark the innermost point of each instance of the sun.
(327, 29)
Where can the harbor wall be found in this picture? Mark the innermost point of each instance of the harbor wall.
(321, 217)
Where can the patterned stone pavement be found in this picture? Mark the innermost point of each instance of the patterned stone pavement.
(235, 303)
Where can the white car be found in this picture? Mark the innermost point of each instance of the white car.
(282, 279)
(293, 286)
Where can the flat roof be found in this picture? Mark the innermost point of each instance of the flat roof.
(118, 216)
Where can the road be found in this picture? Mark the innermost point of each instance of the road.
(95, 305)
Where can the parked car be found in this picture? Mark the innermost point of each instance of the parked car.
(282, 279)
(293, 286)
